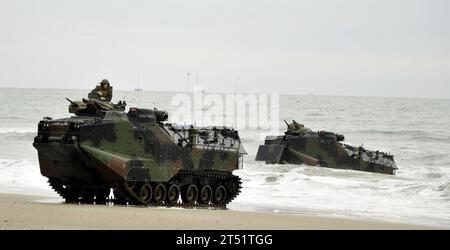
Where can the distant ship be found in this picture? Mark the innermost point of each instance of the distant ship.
(138, 89)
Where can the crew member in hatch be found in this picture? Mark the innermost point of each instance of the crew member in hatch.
(103, 91)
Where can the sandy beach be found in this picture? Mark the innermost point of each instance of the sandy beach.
(29, 212)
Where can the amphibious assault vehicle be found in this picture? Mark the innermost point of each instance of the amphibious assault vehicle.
(301, 145)
(138, 155)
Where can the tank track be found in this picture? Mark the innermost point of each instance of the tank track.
(185, 177)
(128, 193)
(57, 187)
(75, 194)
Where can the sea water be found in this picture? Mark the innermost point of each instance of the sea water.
(415, 131)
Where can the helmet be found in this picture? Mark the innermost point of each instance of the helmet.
(103, 82)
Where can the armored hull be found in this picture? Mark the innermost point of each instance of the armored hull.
(140, 156)
(300, 145)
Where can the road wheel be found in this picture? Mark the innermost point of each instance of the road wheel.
(220, 195)
(190, 194)
(160, 193)
(206, 195)
(173, 194)
(145, 193)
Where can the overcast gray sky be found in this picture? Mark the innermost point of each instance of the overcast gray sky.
(352, 47)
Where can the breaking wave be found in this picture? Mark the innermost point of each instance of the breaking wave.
(22, 176)
(17, 131)
(12, 135)
(289, 188)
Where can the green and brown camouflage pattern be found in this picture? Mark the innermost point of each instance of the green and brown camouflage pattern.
(103, 147)
(88, 107)
(301, 145)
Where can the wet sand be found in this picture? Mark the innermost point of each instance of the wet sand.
(27, 212)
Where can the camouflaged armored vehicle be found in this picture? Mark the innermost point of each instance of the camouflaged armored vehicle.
(137, 154)
(300, 145)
